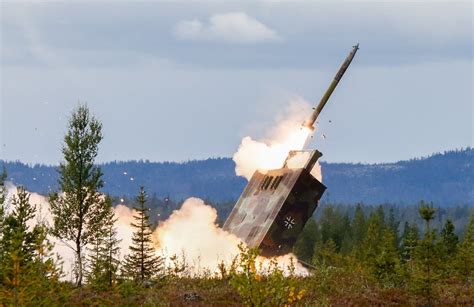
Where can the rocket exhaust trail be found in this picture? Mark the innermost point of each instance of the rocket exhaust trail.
(309, 123)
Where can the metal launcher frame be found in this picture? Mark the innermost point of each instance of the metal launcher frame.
(275, 206)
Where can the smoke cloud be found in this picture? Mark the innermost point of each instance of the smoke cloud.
(190, 233)
(270, 153)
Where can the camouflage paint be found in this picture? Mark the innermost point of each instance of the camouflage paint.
(274, 207)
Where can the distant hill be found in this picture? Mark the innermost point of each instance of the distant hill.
(444, 178)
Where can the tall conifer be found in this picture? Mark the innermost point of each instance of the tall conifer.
(359, 226)
(304, 246)
(374, 237)
(426, 258)
(28, 272)
(464, 262)
(387, 261)
(142, 264)
(104, 251)
(410, 238)
(449, 240)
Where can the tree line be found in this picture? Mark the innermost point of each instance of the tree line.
(394, 255)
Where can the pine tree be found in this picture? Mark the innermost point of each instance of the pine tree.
(387, 263)
(111, 250)
(393, 224)
(17, 241)
(78, 209)
(380, 212)
(29, 274)
(447, 245)
(346, 235)
(372, 243)
(449, 240)
(464, 261)
(104, 252)
(427, 213)
(410, 238)
(326, 255)
(304, 246)
(359, 227)
(426, 257)
(335, 226)
(327, 222)
(142, 264)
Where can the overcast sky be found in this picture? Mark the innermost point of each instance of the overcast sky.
(187, 80)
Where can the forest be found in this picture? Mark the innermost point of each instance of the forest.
(420, 254)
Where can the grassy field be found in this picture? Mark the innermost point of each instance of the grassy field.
(329, 288)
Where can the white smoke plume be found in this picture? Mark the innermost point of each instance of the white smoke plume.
(190, 233)
(124, 229)
(193, 236)
(270, 153)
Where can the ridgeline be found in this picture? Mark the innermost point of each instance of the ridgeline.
(443, 178)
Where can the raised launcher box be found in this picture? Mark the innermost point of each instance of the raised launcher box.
(274, 207)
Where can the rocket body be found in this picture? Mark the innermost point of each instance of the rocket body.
(312, 119)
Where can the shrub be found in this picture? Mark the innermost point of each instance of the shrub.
(258, 286)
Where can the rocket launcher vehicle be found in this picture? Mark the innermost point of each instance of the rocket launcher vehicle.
(276, 204)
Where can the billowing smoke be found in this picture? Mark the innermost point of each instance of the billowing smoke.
(270, 153)
(192, 232)
(191, 235)
(124, 217)
(300, 160)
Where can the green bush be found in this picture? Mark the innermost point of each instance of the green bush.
(263, 287)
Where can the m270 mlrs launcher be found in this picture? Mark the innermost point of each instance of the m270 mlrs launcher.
(276, 204)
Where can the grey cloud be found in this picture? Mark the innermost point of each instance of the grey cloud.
(316, 34)
(232, 27)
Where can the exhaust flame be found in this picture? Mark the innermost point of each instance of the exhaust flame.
(254, 155)
(288, 135)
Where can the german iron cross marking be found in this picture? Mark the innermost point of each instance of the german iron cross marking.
(289, 222)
